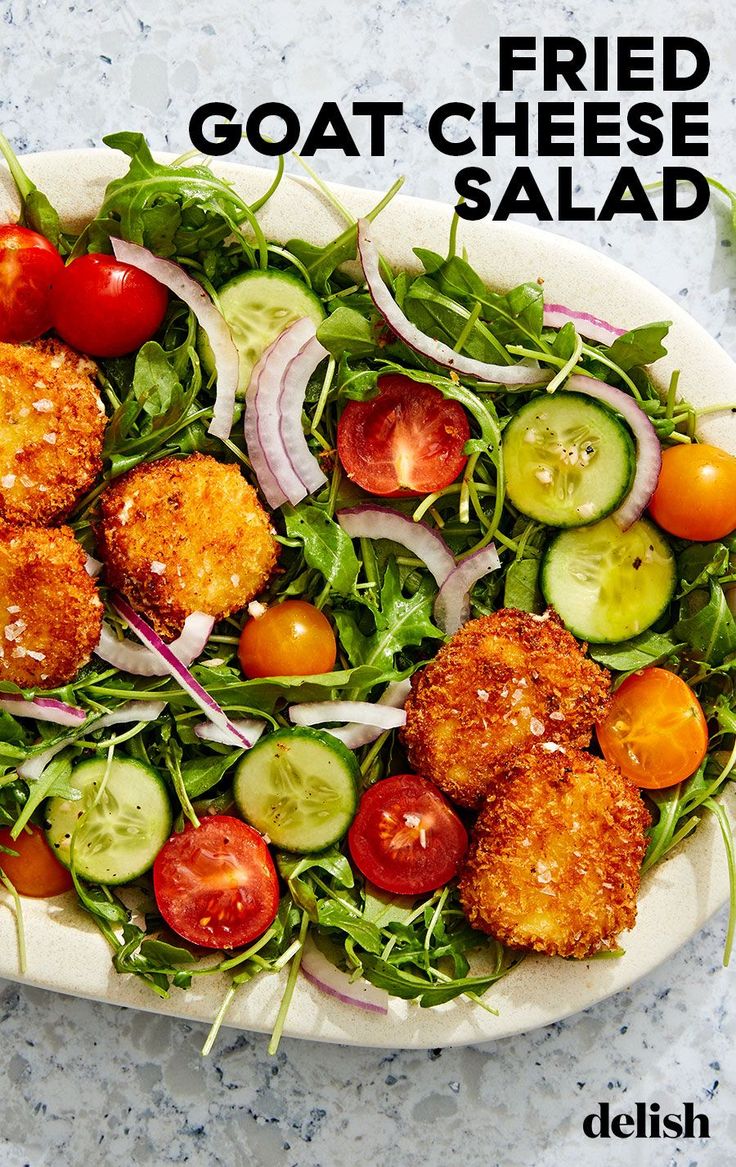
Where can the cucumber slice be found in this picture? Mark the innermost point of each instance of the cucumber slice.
(569, 460)
(119, 839)
(299, 787)
(606, 584)
(258, 306)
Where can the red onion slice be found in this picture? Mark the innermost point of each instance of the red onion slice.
(93, 566)
(43, 709)
(648, 448)
(361, 712)
(247, 727)
(452, 605)
(282, 461)
(324, 975)
(427, 346)
(269, 484)
(33, 768)
(290, 406)
(141, 662)
(175, 669)
(591, 327)
(356, 735)
(369, 521)
(172, 276)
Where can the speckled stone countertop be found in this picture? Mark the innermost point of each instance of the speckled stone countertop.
(87, 1083)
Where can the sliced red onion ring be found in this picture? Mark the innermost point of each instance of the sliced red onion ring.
(321, 973)
(93, 566)
(291, 404)
(361, 712)
(282, 461)
(33, 768)
(141, 662)
(270, 486)
(43, 709)
(247, 727)
(452, 605)
(648, 449)
(369, 521)
(355, 735)
(427, 346)
(591, 327)
(172, 276)
(174, 668)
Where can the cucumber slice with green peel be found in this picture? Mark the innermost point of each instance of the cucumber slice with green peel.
(258, 306)
(299, 787)
(606, 584)
(569, 460)
(117, 839)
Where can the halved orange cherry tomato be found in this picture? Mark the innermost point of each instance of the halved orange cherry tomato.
(654, 731)
(408, 440)
(406, 838)
(35, 870)
(696, 493)
(292, 639)
(215, 884)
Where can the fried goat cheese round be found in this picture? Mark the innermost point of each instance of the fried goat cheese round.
(52, 425)
(185, 535)
(50, 613)
(501, 683)
(555, 855)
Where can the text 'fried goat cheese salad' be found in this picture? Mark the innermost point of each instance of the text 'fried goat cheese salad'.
(372, 625)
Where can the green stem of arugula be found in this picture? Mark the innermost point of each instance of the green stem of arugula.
(324, 394)
(672, 394)
(278, 1028)
(18, 174)
(571, 363)
(727, 833)
(19, 923)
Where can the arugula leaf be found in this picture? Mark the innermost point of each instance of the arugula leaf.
(649, 648)
(201, 774)
(521, 586)
(640, 346)
(331, 914)
(347, 332)
(36, 210)
(401, 621)
(707, 626)
(446, 319)
(326, 546)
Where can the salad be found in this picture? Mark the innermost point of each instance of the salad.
(267, 492)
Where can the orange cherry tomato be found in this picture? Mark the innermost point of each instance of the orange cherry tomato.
(293, 639)
(696, 493)
(35, 870)
(654, 731)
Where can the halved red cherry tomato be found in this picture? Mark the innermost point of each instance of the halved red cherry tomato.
(29, 264)
(35, 870)
(406, 838)
(106, 308)
(696, 493)
(654, 731)
(292, 639)
(407, 440)
(216, 885)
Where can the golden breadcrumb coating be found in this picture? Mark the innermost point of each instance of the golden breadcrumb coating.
(555, 855)
(185, 535)
(500, 684)
(52, 425)
(51, 613)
